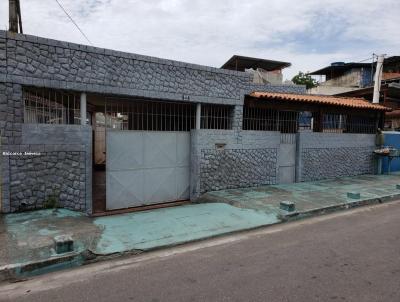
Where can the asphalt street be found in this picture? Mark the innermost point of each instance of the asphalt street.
(352, 255)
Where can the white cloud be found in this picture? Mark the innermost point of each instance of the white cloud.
(308, 33)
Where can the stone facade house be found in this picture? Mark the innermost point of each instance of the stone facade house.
(93, 129)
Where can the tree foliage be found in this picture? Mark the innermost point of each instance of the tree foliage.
(304, 79)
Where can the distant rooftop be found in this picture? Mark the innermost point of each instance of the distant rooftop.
(240, 63)
(339, 67)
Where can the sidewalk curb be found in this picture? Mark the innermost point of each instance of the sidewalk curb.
(337, 207)
(21, 271)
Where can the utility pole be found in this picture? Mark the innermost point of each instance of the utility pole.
(15, 20)
(378, 78)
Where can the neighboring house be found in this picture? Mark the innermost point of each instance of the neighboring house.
(93, 129)
(263, 71)
(389, 93)
(342, 77)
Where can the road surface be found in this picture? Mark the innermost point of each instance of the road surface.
(346, 256)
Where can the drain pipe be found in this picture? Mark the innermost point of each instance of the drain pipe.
(378, 78)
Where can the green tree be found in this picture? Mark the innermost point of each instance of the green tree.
(304, 79)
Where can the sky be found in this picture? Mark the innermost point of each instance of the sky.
(308, 33)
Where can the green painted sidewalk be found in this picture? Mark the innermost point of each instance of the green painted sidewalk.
(29, 237)
(310, 196)
(172, 226)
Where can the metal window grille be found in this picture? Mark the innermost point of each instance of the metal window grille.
(348, 123)
(44, 106)
(261, 119)
(149, 115)
(216, 117)
(265, 119)
(334, 123)
(163, 116)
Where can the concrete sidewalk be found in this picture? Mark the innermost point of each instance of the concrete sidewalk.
(311, 197)
(28, 238)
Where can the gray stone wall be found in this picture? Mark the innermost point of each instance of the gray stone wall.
(10, 133)
(48, 179)
(55, 64)
(10, 113)
(237, 168)
(60, 168)
(222, 159)
(331, 155)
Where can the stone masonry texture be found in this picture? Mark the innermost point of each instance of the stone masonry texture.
(59, 169)
(227, 169)
(49, 179)
(49, 63)
(327, 163)
(223, 159)
(332, 155)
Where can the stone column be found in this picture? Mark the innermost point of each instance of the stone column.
(83, 108)
(198, 116)
(237, 118)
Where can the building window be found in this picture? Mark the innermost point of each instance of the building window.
(261, 119)
(348, 123)
(149, 115)
(216, 116)
(43, 106)
(266, 119)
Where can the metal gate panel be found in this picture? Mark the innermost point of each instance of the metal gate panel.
(145, 167)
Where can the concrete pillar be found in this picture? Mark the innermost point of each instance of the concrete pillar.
(237, 118)
(198, 116)
(83, 108)
(377, 79)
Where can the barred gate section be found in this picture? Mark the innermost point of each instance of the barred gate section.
(146, 167)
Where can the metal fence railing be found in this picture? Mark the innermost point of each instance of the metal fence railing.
(149, 115)
(267, 119)
(216, 117)
(154, 115)
(43, 106)
(347, 123)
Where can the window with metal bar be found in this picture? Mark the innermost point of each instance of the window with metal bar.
(216, 116)
(348, 123)
(44, 106)
(262, 119)
(149, 115)
(265, 119)
(164, 116)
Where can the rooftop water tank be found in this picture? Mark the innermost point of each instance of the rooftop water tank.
(337, 64)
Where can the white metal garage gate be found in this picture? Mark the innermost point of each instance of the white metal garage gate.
(148, 149)
(146, 167)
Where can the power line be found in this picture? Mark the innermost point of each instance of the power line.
(368, 59)
(72, 20)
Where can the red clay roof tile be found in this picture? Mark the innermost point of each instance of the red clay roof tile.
(321, 99)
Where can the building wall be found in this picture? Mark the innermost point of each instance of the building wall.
(330, 155)
(57, 166)
(329, 90)
(224, 159)
(33, 61)
(49, 63)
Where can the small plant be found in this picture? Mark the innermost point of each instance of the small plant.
(51, 202)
